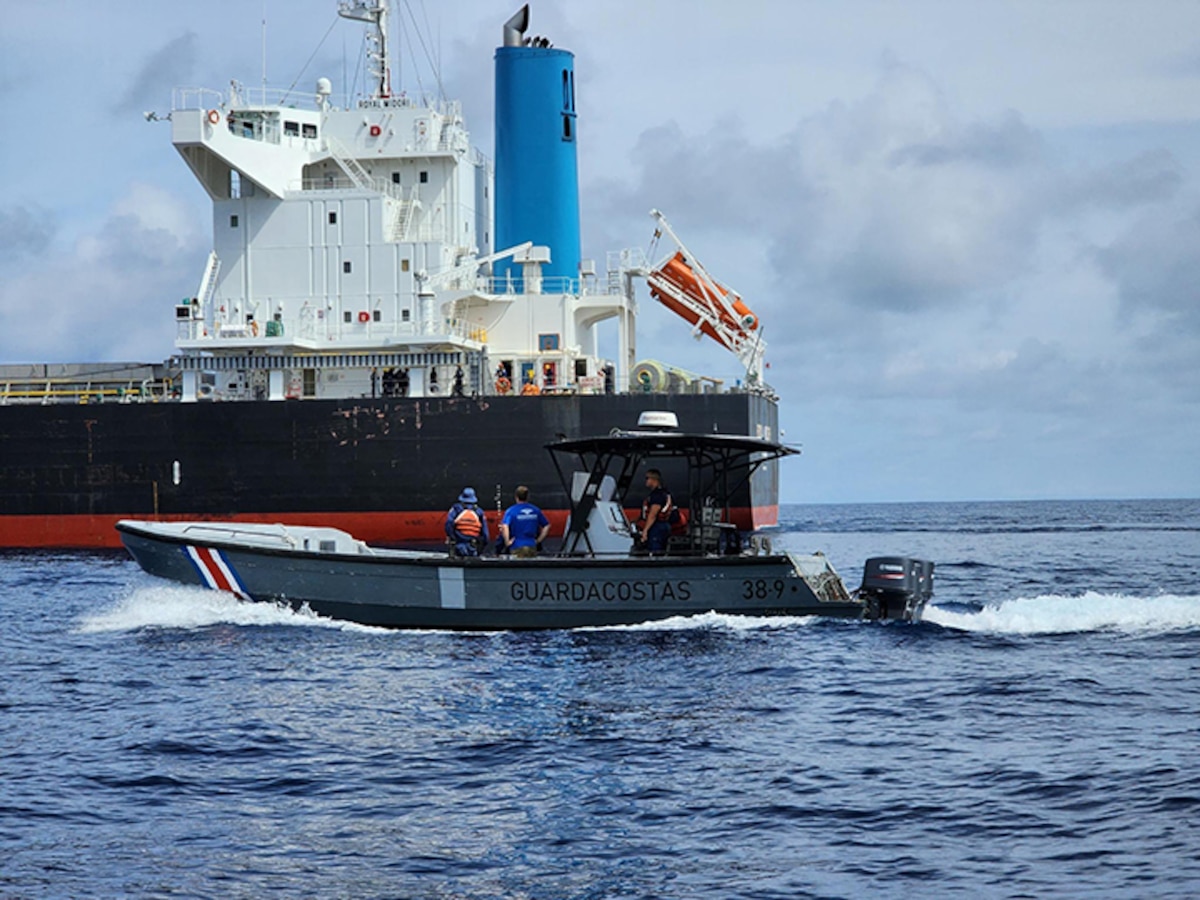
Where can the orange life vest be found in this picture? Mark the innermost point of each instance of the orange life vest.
(468, 523)
(667, 513)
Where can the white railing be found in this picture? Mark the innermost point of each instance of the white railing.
(292, 98)
(515, 284)
(322, 326)
(407, 209)
(349, 164)
(196, 98)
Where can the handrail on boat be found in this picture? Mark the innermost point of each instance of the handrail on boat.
(233, 532)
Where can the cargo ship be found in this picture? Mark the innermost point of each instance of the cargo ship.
(387, 315)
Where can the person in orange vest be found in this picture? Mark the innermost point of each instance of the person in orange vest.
(466, 526)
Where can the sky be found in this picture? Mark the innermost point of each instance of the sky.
(971, 231)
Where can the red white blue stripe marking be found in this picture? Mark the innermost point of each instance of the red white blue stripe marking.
(216, 571)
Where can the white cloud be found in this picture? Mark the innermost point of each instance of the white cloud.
(109, 294)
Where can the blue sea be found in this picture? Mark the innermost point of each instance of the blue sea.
(1037, 736)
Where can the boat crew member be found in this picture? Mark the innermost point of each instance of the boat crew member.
(466, 527)
(524, 526)
(657, 511)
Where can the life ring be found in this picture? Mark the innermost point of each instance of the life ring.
(213, 117)
(364, 317)
(503, 385)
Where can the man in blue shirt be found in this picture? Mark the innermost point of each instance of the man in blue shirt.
(524, 526)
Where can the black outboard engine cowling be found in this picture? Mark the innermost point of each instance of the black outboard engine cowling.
(896, 587)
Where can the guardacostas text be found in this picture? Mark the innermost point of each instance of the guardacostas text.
(599, 591)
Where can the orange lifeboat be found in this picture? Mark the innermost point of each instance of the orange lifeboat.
(684, 279)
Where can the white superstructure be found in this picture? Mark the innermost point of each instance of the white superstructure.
(352, 250)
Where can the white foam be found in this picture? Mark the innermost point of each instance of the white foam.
(184, 607)
(173, 606)
(1060, 614)
(710, 620)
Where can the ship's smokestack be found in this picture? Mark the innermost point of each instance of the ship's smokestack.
(537, 178)
(514, 28)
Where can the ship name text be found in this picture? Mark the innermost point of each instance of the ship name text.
(595, 591)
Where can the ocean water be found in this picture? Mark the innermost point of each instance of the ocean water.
(1037, 736)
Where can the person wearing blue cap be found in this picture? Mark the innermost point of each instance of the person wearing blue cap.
(466, 526)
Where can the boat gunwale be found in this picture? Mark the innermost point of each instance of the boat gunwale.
(383, 556)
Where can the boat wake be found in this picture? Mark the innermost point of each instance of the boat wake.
(185, 607)
(1059, 614)
(194, 607)
(711, 620)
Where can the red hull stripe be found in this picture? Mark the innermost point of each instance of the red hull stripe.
(216, 571)
(97, 532)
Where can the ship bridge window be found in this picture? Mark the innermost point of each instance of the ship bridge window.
(233, 222)
(333, 218)
(395, 178)
(424, 178)
(568, 129)
(404, 315)
(291, 129)
(346, 267)
(310, 131)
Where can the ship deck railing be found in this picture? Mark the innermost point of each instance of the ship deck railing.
(241, 97)
(321, 330)
(48, 391)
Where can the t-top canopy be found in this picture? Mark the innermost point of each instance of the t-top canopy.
(658, 443)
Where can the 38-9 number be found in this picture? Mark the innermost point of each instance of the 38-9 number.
(761, 588)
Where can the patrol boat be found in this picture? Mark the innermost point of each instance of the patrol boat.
(598, 576)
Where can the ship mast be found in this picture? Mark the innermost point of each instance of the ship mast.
(374, 12)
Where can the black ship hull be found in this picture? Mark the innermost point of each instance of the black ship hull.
(383, 469)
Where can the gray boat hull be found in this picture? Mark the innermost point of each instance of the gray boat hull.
(338, 577)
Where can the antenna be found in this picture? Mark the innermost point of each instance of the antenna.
(373, 12)
(264, 53)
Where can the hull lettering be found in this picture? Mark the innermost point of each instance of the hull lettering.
(563, 592)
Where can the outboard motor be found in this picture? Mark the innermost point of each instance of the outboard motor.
(896, 587)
